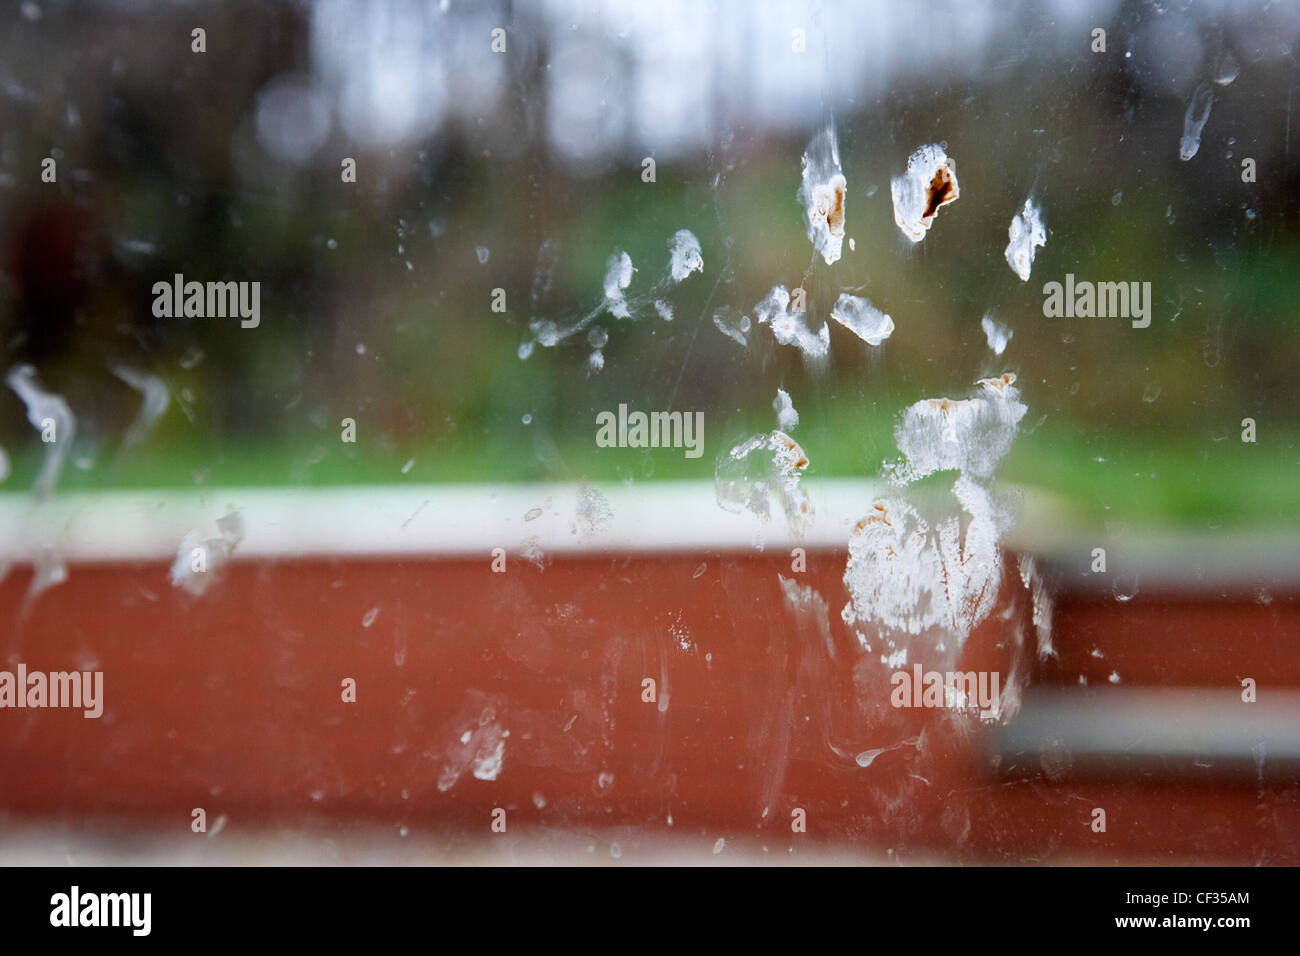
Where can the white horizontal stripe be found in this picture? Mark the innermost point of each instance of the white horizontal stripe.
(662, 516)
(416, 520)
(1206, 723)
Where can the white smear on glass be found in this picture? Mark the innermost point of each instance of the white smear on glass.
(998, 336)
(786, 416)
(480, 749)
(862, 318)
(618, 276)
(909, 575)
(43, 409)
(906, 575)
(806, 604)
(487, 762)
(733, 324)
(791, 328)
(684, 258)
(822, 192)
(49, 570)
(1027, 236)
(198, 560)
(968, 435)
(1194, 120)
(530, 549)
(868, 757)
(929, 184)
(685, 255)
(548, 254)
(591, 513)
(754, 471)
(1043, 603)
(152, 406)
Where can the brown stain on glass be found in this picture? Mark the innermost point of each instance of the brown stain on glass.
(835, 215)
(942, 191)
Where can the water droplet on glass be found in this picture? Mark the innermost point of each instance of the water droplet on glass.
(1227, 69)
(1198, 113)
(1124, 587)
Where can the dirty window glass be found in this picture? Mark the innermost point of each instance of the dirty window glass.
(649, 432)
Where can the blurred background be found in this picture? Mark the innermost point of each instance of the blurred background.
(502, 156)
(376, 296)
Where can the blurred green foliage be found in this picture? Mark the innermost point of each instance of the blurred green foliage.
(376, 307)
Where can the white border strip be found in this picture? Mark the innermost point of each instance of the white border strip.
(432, 520)
(445, 520)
